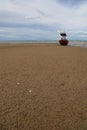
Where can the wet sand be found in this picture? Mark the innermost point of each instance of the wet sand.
(43, 87)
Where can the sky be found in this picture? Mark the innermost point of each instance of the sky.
(43, 19)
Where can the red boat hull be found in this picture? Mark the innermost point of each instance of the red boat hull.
(63, 42)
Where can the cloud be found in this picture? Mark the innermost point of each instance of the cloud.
(71, 3)
(43, 19)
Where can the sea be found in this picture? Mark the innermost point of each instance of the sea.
(71, 43)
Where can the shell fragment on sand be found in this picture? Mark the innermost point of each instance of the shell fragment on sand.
(30, 91)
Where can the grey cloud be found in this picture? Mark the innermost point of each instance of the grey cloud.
(8, 14)
(71, 2)
(33, 26)
(32, 18)
(41, 13)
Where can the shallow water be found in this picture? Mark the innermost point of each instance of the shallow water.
(71, 43)
(78, 43)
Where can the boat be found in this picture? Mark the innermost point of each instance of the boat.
(63, 41)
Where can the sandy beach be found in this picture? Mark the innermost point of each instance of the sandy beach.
(43, 87)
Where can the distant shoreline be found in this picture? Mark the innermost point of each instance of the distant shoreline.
(14, 42)
(37, 41)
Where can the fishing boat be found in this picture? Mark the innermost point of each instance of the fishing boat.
(63, 41)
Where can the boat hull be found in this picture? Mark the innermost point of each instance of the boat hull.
(63, 42)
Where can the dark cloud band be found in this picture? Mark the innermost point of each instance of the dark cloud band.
(71, 2)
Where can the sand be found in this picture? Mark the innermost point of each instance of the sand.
(43, 87)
